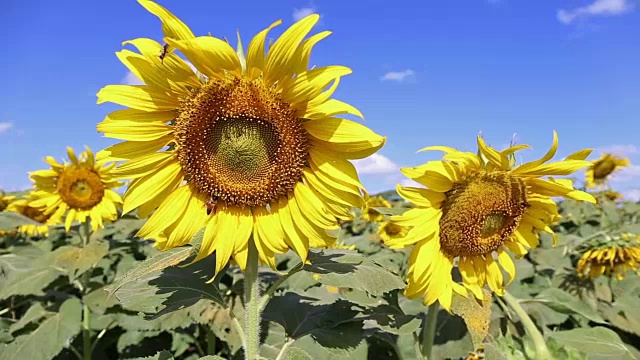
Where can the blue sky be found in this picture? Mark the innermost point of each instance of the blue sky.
(425, 72)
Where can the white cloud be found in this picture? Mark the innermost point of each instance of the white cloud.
(632, 195)
(619, 149)
(626, 174)
(131, 79)
(598, 7)
(299, 14)
(5, 126)
(375, 164)
(398, 76)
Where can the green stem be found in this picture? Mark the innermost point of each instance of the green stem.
(284, 349)
(542, 352)
(429, 331)
(211, 342)
(252, 305)
(272, 289)
(86, 313)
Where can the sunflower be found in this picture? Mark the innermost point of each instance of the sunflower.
(250, 149)
(611, 257)
(389, 230)
(477, 206)
(370, 214)
(5, 200)
(37, 214)
(81, 189)
(600, 170)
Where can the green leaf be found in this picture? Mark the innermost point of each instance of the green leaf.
(11, 220)
(212, 357)
(564, 302)
(152, 265)
(162, 355)
(334, 325)
(35, 313)
(294, 353)
(51, 337)
(390, 211)
(347, 269)
(29, 283)
(170, 289)
(598, 342)
(75, 261)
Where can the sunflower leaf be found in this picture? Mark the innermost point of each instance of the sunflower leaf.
(348, 269)
(162, 355)
(11, 220)
(598, 342)
(563, 302)
(76, 261)
(51, 337)
(163, 291)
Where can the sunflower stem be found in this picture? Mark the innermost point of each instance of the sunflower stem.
(429, 331)
(542, 352)
(86, 312)
(252, 305)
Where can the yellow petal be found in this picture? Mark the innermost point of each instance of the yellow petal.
(280, 59)
(267, 225)
(168, 212)
(561, 168)
(171, 26)
(421, 197)
(343, 131)
(144, 165)
(295, 238)
(555, 188)
(304, 51)
(255, 53)
(548, 156)
(494, 156)
(142, 116)
(138, 97)
(311, 83)
(318, 237)
(580, 154)
(134, 131)
(325, 95)
(329, 108)
(133, 149)
(312, 207)
(150, 186)
(436, 175)
(209, 55)
(507, 264)
(494, 276)
(334, 168)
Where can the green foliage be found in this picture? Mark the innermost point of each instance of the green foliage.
(343, 304)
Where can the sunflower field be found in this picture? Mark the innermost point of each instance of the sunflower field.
(229, 222)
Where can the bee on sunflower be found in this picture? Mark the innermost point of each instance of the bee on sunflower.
(249, 148)
(79, 190)
(612, 256)
(474, 208)
(601, 169)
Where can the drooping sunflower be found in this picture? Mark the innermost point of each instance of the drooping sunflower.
(370, 214)
(610, 257)
(250, 149)
(600, 170)
(5, 200)
(389, 230)
(474, 208)
(81, 189)
(37, 214)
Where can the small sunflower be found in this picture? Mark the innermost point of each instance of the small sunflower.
(389, 230)
(37, 214)
(370, 214)
(475, 207)
(5, 200)
(610, 257)
(250, 149)
(611, 195)
(600, 170)
(81, 189)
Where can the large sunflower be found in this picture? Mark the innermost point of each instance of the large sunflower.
(477, 206)
(600, 170)
(37, 214)
(81, 189)
(250, 149)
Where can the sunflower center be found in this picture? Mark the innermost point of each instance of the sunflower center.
(481, 213)
(603, 168)
(35, 214)
(238, 142)
(80, 187)
(393, 229)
